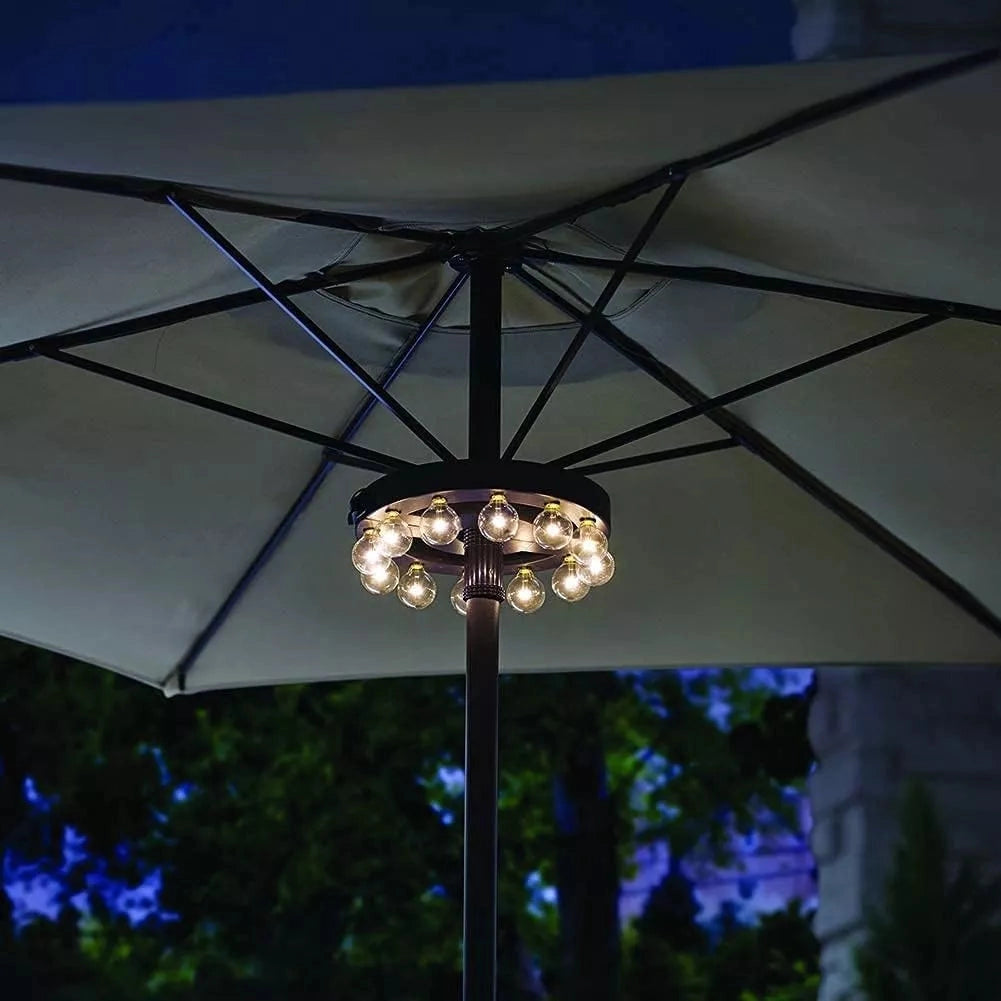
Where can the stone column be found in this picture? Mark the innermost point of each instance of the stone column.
(845, 29)
(872, 728)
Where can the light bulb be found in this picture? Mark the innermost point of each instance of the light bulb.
(458, 602)
(552, 529)
(366, 554)
(395, 537)
(589, 540)
(382, 580)
(525, 593)
(567, 581)
(597, 570)
(440, 525)
(498, 521)
(417, 587)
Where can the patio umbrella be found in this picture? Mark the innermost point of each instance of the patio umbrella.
(741, 321)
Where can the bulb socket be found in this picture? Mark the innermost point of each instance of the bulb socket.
(484, 567)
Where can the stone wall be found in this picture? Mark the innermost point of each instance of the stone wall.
(871, 729)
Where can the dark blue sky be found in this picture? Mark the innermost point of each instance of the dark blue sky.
(100, 50)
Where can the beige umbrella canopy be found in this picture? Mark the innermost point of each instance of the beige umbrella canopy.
(178, 454)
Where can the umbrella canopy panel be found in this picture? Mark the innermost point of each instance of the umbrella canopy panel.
(128, 517)
(451, 155)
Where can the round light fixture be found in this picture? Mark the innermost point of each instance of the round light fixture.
(449, 519)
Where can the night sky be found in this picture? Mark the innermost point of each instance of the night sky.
(115, 50)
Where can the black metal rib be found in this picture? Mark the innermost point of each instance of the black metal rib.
(313, 329)
(202, 640)
(749, 389)
(209, 307)
(350, 455)
(399, 361)
(349, 429)
(789, 125)
(760, 446)
(611, 287)
(665, 455)
(886, 301)
(152, 190)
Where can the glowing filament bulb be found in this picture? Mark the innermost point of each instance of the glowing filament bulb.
(498, 521)
(417, 587)
(458, 602)
(395, 537)
(567, 582)
(525, 593)
(440, 524)
(382, 580)
(597, 570)
(589, 540)
(552, 529)
(366, 555)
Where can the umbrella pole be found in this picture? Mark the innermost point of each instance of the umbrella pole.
(484, 592)
(479, 933)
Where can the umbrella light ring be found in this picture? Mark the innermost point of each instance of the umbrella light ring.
(466, 486)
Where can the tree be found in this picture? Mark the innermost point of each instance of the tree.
(937, 936)
(308, 837)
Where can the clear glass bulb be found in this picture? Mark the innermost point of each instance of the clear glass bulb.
(589, 540)
(552, 529)
(458, 602)
(498, 521)
(417, 587)
(366, 554)
(395, 537)
(597, 570)
(440, 525)
(382, 580)
(525, 593)
(567, 581)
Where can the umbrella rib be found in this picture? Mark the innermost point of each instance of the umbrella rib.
(665, 455)
(789, 125)
(349, 429)
(158, 191)
(764, 449)
(863, 298)
(310, 327)
(780, 378)
(351, 455)
(611, 287)
(208, 307)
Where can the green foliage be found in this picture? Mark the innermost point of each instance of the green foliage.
(309, 858)
(805, 986)
(777, 960)
(937, 936)
(773, 960)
